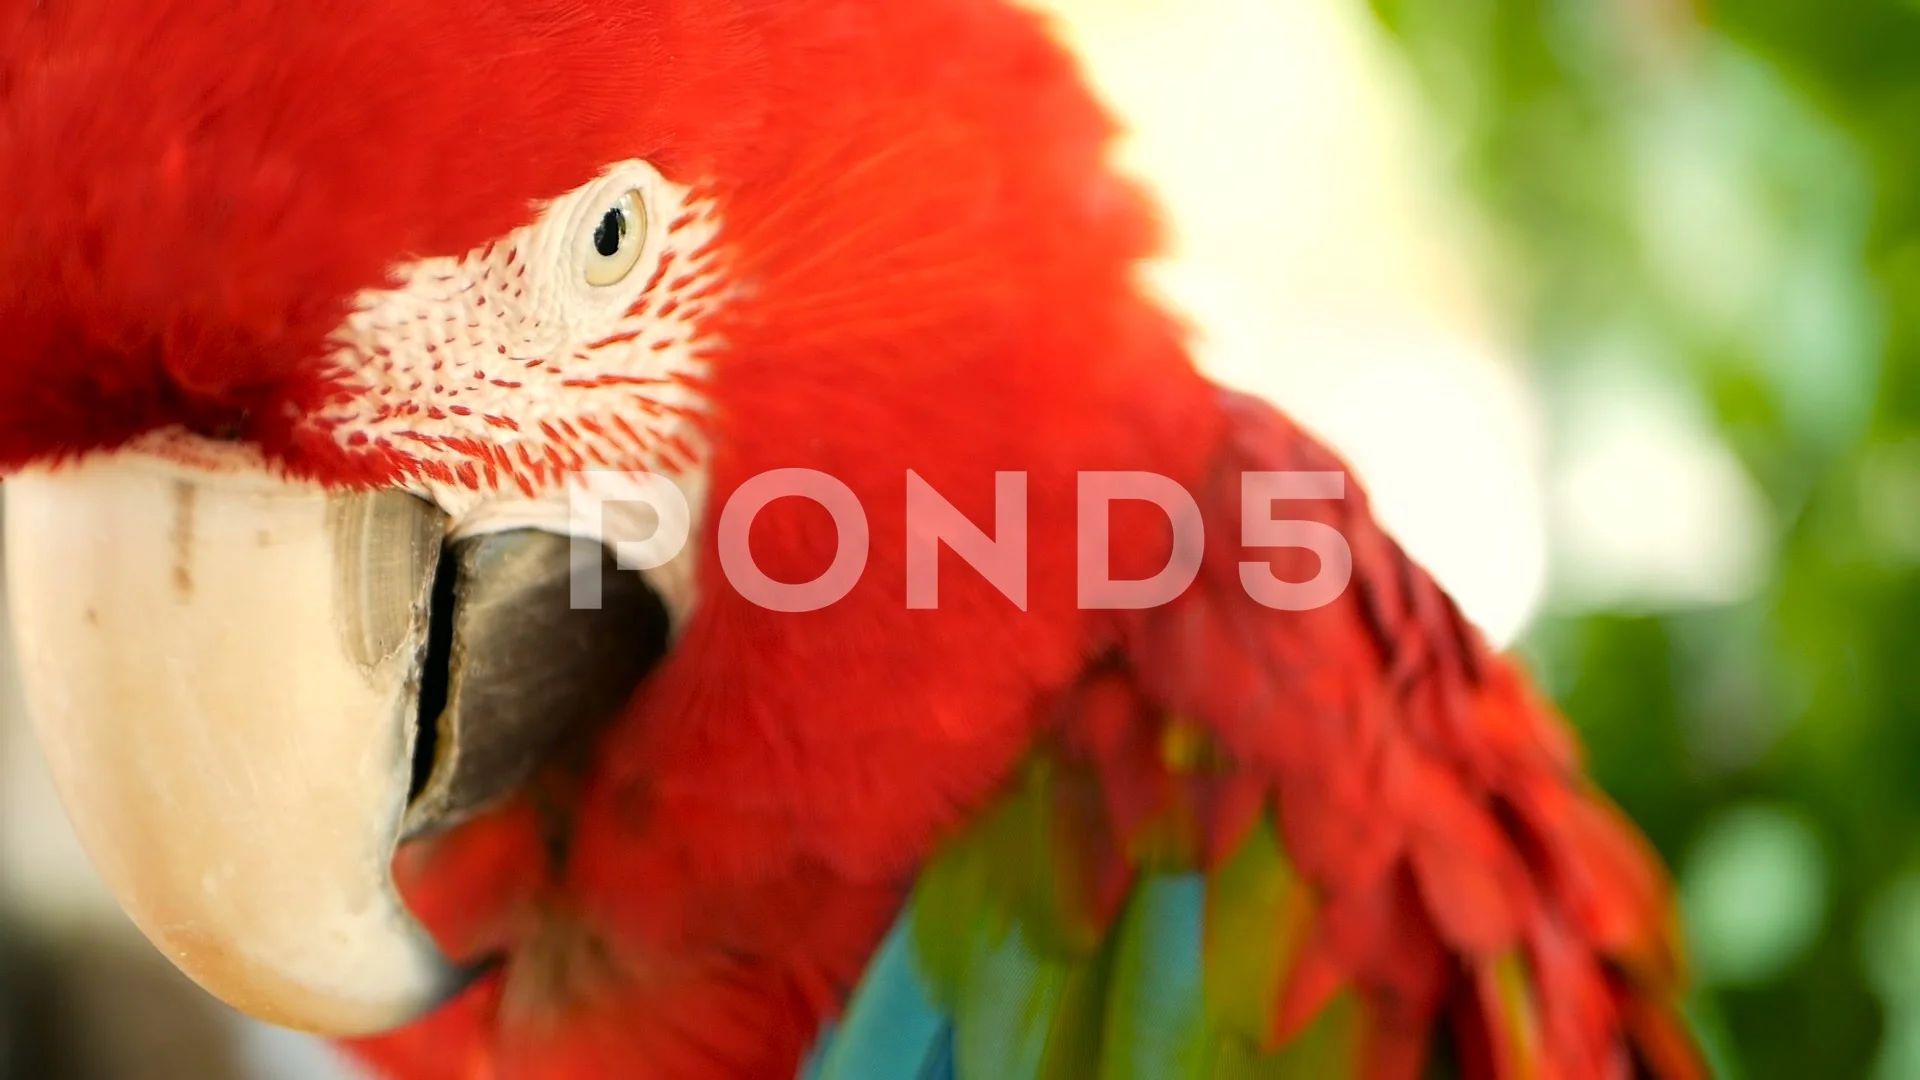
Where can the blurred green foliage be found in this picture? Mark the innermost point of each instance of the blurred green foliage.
(1728, 193)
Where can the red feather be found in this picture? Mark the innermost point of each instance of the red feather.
(1433, 801)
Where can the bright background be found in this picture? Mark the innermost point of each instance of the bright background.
(1611, 303)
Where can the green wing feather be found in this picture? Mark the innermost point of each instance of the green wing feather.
(1182, 980)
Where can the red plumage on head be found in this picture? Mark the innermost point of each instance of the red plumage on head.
(197, 188)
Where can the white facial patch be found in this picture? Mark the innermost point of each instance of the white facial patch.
(545, 380)
(499, 373)
(569, 346)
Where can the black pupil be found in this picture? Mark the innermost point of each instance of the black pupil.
(612, 230)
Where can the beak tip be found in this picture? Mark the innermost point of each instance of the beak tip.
(276, 993)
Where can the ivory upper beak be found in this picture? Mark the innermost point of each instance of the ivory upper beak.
(223, 671)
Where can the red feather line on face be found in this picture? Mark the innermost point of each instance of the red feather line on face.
(416, 364)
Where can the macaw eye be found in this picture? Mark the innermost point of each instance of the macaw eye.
(614, 245)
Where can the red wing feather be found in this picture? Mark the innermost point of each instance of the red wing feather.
(1462, 865)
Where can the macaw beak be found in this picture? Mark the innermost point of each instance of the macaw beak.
(228, 673)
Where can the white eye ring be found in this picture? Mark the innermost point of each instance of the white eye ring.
(614, 240)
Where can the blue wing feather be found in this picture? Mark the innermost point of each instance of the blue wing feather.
(892, 1028)
(1156, 1025)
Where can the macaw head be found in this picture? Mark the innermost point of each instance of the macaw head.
(323, 321)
